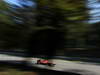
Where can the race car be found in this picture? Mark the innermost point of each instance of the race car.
(45, 62)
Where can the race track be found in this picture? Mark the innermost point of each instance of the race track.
(82, 68)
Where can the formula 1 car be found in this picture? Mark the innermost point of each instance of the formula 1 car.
(45, 62)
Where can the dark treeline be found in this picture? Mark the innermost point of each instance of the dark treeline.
(47, 27)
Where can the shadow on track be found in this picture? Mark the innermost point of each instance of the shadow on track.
(23, 67)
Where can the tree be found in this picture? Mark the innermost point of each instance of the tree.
(14, 25)
(32, 26)
(62, 17)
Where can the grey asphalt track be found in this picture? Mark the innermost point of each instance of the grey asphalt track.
(80, 67)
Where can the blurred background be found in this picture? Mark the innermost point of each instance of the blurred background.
(59, 27)
(68, 28)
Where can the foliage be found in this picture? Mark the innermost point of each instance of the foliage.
(21, 24)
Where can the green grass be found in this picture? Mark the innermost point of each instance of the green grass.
(11, 71)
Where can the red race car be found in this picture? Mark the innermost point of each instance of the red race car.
(45, 62)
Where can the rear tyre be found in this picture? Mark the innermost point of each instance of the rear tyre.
(52, 65)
